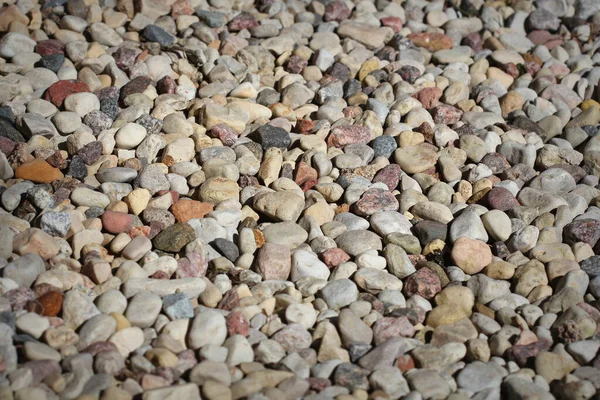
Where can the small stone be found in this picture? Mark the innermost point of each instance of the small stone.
(154, 33)
(38, 171)
(174, 237)
(339, 293)
(274, 261)
(471, 255)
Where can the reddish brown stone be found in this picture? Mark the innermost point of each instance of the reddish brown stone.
(230, 300)
(390, 175)
(136, 85)
(125, 59)
(90, 153)
(185, 210)
(428, 134)
(116, 222)
(38, 171)
(429, 97)
(501, 199)
(405, 363)
(341, 136)
(59, 91)
(334, 257)
(337, 10)
(49, 47)
(304, 173)
(304, 126)
(224, 133)
(141, 57)
(424, 282)
(431, 41)
(237, 324)
(309, 184)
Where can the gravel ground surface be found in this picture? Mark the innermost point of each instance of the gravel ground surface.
(275, 200)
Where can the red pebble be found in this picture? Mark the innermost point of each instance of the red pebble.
(59, 91)
(393, 22)
(305, 173)
(116, 222)
(337, 10)
(429, 97)
(237, 324)
(334, 257)
(405, 363)
(49, 47)
(390, 175)
(304, 126)
(344, 135)
(224, 133)
(424, 282)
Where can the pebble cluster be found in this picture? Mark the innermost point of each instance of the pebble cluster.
(276, 200)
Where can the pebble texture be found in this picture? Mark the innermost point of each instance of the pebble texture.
(281, 199)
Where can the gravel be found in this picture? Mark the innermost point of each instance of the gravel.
(276, 199)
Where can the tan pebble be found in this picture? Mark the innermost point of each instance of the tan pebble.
(95, 50)
(162, 357)
(137, 200)
(122, 322)
(458, 296)
(105, 80)
(500, 270)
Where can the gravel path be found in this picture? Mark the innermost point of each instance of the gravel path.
(278, 200)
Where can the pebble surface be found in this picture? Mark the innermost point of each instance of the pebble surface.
(283, 199)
